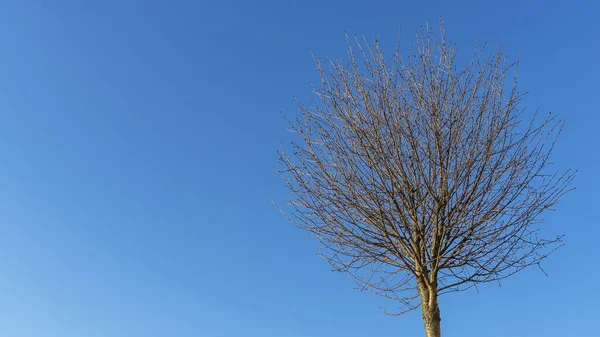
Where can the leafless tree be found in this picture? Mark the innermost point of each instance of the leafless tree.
(421, 177)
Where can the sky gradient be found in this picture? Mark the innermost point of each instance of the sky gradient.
(137, 145)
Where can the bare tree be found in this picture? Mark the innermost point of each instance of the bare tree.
(420, 177)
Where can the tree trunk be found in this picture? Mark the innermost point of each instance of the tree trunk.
(431, 319)
(430, 309)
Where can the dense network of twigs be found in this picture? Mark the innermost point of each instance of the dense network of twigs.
(421, 177)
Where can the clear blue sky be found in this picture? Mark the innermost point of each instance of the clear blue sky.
(137, 144)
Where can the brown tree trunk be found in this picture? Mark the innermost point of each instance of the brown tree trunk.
(430, 309)
(431, 319)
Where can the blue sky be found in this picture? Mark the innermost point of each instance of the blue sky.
(137, 144)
